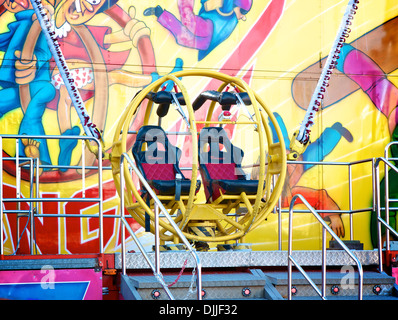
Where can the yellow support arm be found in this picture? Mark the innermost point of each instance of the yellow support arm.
(296, 147)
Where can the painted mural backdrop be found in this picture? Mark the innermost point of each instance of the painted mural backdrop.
(114, 48)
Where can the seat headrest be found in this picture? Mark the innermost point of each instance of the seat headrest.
(153, 135)
(214, 136)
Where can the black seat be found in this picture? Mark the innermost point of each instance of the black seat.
(221, 169)
(159, 162)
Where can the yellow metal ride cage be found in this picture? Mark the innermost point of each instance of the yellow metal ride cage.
(218, 214)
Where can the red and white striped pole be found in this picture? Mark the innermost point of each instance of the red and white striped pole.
(303, 135)
(89, 128)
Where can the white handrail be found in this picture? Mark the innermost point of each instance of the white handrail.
(381, 221)
(159, 205)
(325, 228)
(34, 198)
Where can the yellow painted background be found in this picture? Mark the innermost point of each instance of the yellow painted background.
(304, 33)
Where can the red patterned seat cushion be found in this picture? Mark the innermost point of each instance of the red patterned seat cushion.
(222, 171)
(159, 171)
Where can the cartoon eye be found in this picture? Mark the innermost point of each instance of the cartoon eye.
(94, 2)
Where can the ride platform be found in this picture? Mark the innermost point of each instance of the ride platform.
(232, 275)
(258, 275)
(166, 204)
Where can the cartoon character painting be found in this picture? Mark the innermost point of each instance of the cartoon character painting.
(204, 31)
(366, 65)
(87, 48)
(25, 76)
(319, 199)
(114, 48)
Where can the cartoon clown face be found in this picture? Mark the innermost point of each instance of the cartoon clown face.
(16, 5)
(21, 5)
(76, 12)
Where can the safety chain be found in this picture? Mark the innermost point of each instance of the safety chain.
(161, 280)
(191, 290)
(179, 275)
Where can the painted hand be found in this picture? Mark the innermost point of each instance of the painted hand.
(24, 69)
(337, 225)
(135, 29)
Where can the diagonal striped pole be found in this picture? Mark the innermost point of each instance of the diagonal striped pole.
(45, 23)
(343, 33)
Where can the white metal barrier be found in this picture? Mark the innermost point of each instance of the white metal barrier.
(325, 228)
(34, 183)
(158, 206)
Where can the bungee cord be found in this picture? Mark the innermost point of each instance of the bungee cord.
(301, 138)
(90, 128)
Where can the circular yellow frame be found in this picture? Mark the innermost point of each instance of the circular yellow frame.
(258, 210)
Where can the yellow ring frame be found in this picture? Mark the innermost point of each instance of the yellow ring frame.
(276, 159)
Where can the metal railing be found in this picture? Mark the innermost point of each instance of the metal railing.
(378, 208)
(350, 211)
(158, 205)
(325, 228)
(34, 196)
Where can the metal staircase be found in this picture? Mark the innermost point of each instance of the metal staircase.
(231, 274)
(263, 277)
(258, 275)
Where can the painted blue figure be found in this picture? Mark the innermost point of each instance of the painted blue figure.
(319, 199)
(215, 22)
(318, 149)
(40, 88)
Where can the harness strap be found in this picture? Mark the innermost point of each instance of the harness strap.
(178, 186)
